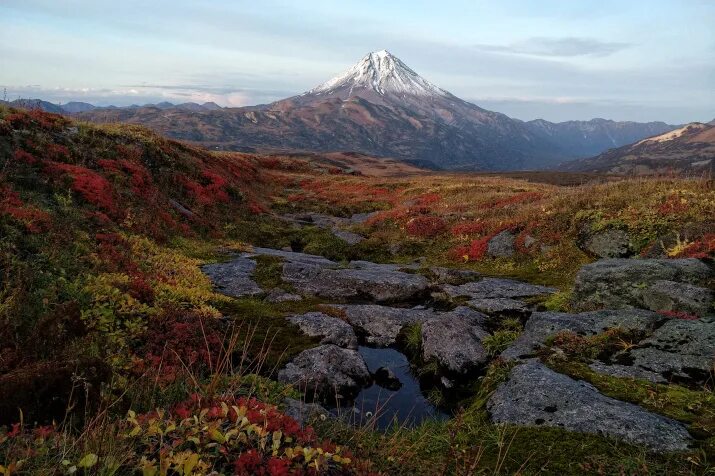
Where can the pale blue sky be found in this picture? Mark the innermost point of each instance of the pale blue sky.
(558, 60)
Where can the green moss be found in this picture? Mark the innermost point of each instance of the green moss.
(318, 241)
(559, 301)
(411, 340)
(269, 272)
(499, 341)
(696, 408)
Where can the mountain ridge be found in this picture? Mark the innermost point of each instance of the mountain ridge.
(381, 107)
(689, 149)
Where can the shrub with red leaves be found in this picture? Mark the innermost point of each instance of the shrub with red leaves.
(470, 228)
(179, 339)
(93, 187)
(24, 157)
(57, 152)
(34, 219)
(673, 205)
(427, 199)
(472, 252)
(679, 315)
(701, 249)
(211, 193)
(425, 226)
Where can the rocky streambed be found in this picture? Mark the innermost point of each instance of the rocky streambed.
(388, 333)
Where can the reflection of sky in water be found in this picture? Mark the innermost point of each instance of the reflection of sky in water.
(407, 404)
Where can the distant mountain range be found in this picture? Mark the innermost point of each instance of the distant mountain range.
(381, 107)
(689, 149)
(75, 107)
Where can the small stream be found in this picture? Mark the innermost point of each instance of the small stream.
(406, 406)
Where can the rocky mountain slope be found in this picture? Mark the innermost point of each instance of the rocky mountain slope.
(689, 149)
(381, 107)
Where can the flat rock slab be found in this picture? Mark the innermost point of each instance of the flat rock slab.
(292, 256)
(542, 325)
(348, 236)
(234, 278)
(679, 350)
(453, 276)
(535, 395)
(278, 295)
(497, 288)
(621, 283)
(327, 371)
(455, 340)
(378, 283)
(331, 329)
(672, 296)
(498, 306)
(381, 324)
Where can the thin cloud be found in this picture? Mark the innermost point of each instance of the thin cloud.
(560, 47)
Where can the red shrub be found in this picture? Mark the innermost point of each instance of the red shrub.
(93, 187)
(427, 199)
(57, 152)
(209, 194)
(25, 118)
(115, 252)
(472, 252)
(256, 208)
(425, 226)
(34, 219)
(178, 339)
(673, 205)
(679, 315)
(472, 228)
(24, 157)
(702, 248)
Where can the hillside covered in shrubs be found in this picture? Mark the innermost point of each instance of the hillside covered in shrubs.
(118, 356)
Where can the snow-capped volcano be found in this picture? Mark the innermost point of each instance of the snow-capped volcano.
(379, 72)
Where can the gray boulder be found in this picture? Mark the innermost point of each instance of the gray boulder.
(497, 288)
(303, 412)
(292, 256)
(234, 278)
(455, 340)
(381, 324)
(331, 329)
(348, 236)
(535, 395)
(542, 325)
(380, 283)
(452, 275)
(620, 283)
(672, 296)
(501, 245)
(278, 295)
(679, 350)
(498, 306)
(328, 371)
(610, 243)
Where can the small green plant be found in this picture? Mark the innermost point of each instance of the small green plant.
(413, 339)
(496, 343)
(269, 271)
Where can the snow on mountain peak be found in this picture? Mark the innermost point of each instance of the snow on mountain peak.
(383, 73)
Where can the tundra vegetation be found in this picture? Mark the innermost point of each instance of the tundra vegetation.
(117, 356)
